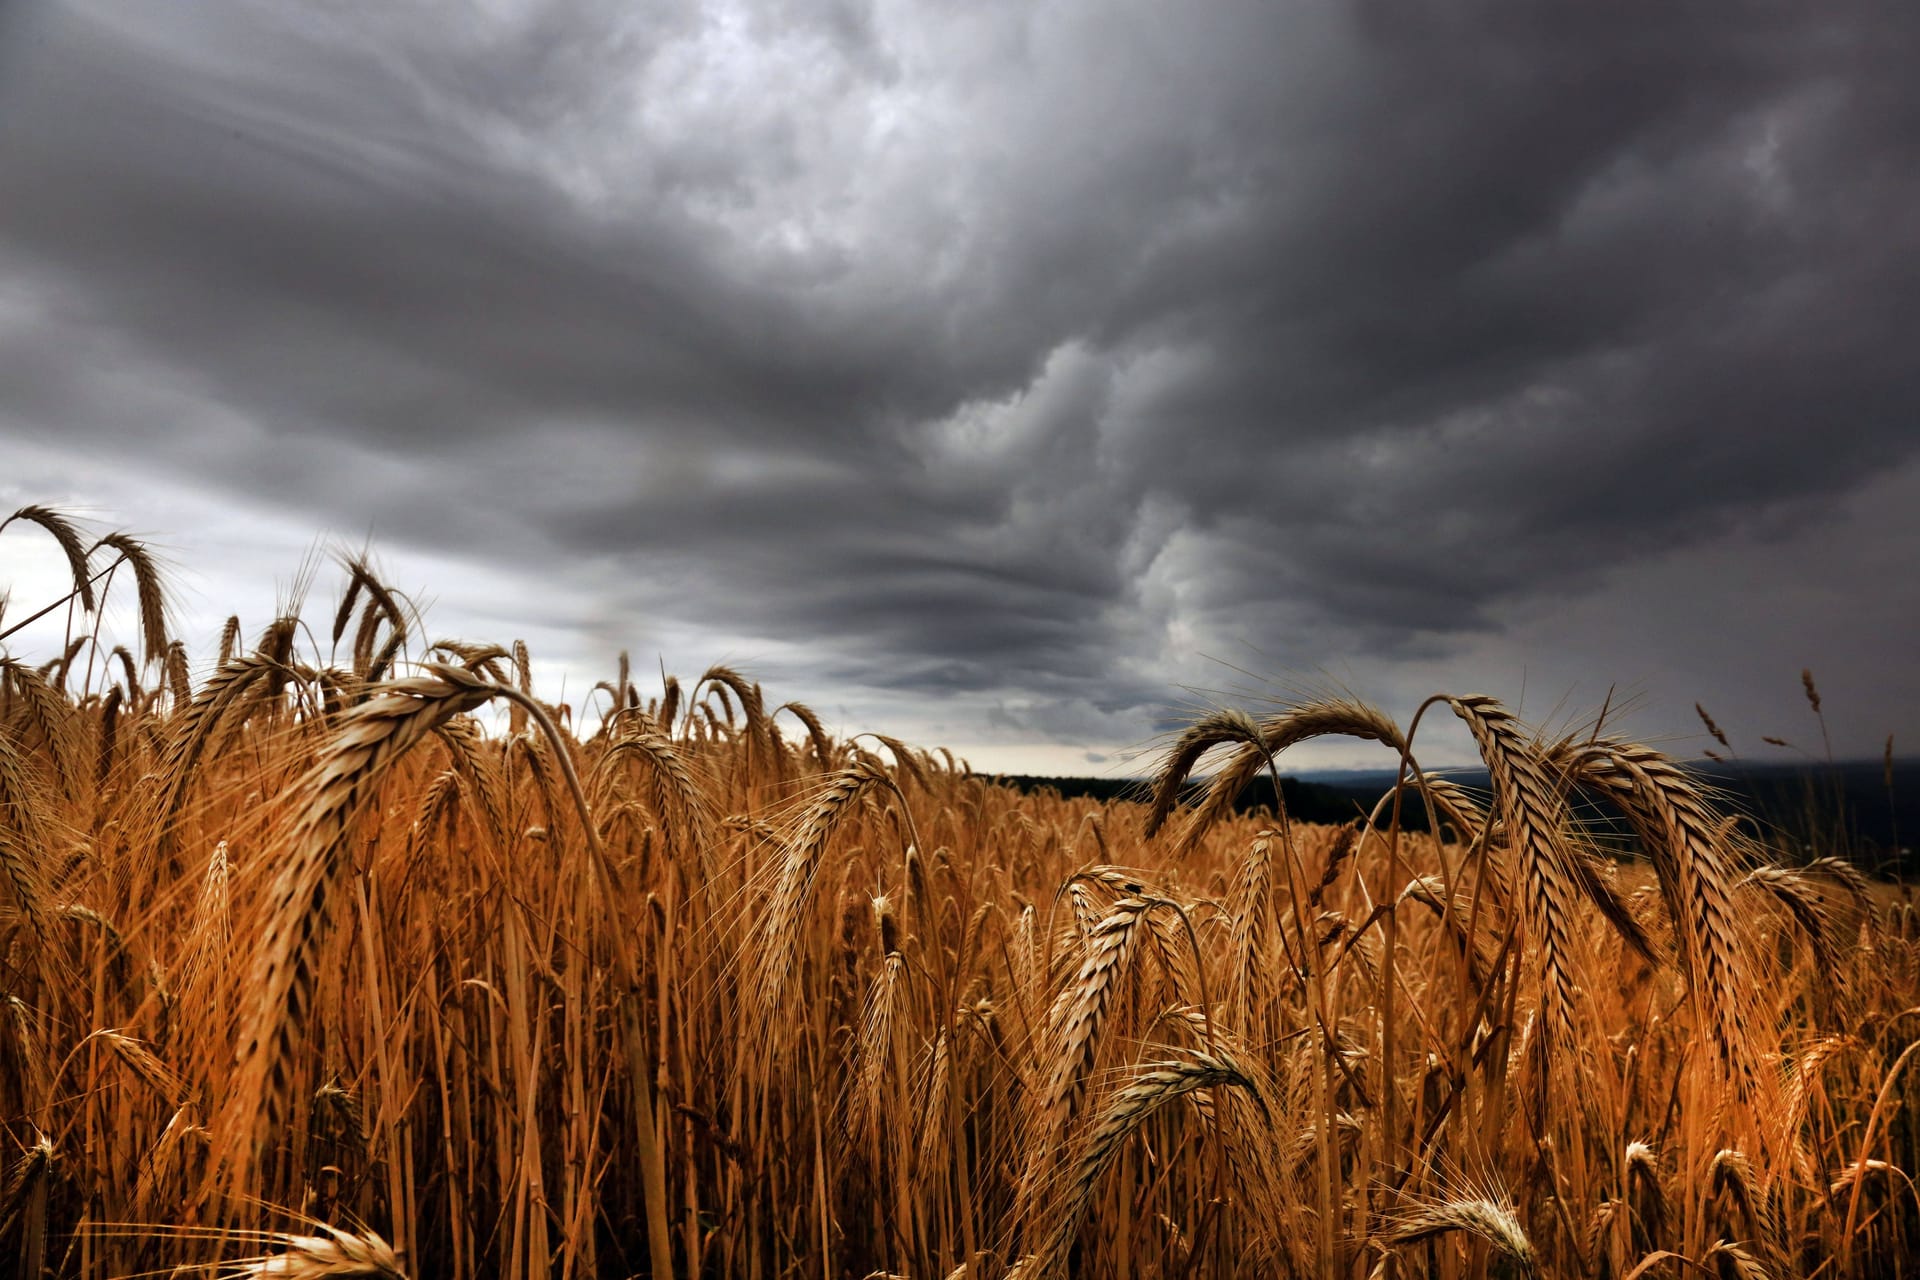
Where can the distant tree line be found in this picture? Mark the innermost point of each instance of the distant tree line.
(1866, 812)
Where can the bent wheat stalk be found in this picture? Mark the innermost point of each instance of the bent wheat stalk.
(370, 738)
(1157, 1085)
(1260, 744)
(1694, 861)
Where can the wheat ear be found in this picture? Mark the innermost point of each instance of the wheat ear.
(72, 544)
(333, 1254)
(1532, 807)
(24, 841)
(1488, 1218)
(44, 710)
(677, 797)
(300, 901)
(1694, 861)
(1260, 744)
(148, 588)
(816, 732)
(799, 867)
(1073, 1038)
(1151, 1089)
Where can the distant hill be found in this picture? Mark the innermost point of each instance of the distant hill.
(1846, 809)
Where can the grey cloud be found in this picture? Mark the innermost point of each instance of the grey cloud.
(1003, 351)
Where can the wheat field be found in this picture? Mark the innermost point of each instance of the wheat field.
(349, 954)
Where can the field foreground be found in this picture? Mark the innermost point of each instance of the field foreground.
(355, 957)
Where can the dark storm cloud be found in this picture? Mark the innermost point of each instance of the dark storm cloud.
(996, 348)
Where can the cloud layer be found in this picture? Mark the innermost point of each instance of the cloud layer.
(992, 362)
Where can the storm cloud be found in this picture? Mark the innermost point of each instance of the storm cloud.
(987, 365)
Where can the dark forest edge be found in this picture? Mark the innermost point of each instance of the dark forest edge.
(1862, 811)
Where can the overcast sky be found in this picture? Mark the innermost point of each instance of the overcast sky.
(1007, 374)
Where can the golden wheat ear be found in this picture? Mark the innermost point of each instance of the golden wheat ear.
(369, 739)
(331, 1254)
(816, 732)
(785, 918)
(149, 590)
(1260, 743)
(1530, 800)
(1149, 1089)
(1200, 737)
(25, 840)
(1492, 1220)
(45, 718)
(1695, 857)
(72, 544)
